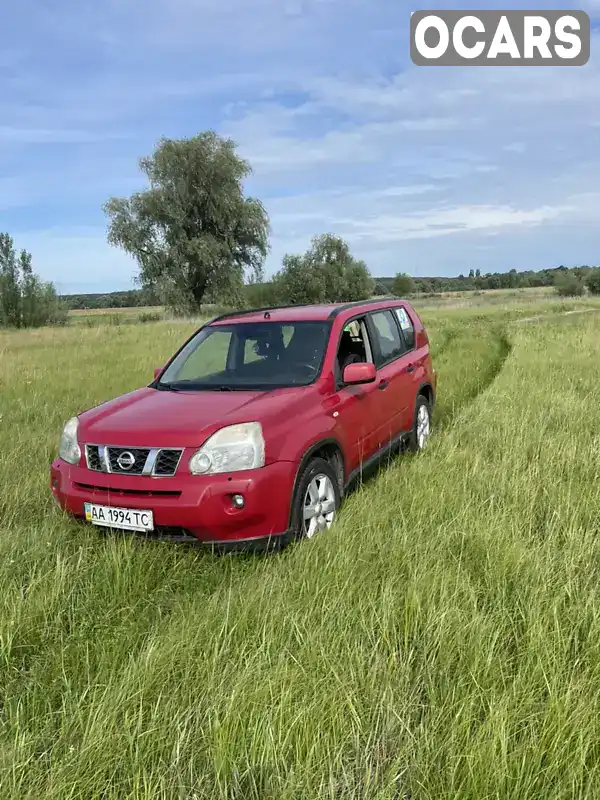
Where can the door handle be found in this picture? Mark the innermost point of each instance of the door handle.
(410, 368)
(383, 384)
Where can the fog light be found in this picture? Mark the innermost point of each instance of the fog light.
(237, 500)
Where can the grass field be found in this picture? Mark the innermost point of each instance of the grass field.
(441, 641)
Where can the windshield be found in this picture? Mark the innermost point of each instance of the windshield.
(255, 355)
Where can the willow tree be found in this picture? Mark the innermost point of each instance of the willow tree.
(194, 233)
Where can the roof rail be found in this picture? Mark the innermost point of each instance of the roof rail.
(341, 307)
(245, 311)
(356, 303)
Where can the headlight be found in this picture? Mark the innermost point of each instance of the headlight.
(231, 449)
(69, 449)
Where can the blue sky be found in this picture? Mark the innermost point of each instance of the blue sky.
(428, 170)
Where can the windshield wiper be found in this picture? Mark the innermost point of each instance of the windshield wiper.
(167, 387)
(191, 386)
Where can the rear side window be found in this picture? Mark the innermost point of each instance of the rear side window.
(390, 344)
(407, 327)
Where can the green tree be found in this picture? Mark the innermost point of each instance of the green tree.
(193, 232)
(25, 300)
(298, 282)
(403, 285)
(593, 281)
(567, 284)
(326, 273)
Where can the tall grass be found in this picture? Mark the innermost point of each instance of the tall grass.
(441, 641)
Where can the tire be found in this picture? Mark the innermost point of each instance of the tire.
(317, 474)
(416, 441)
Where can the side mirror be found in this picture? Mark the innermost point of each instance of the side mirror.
(157, 371)
(359, 373)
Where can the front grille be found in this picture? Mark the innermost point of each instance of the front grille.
(167, 462)
(146, 461)
(136, 459)
(93, 458)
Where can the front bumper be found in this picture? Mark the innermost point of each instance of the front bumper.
(195, 506)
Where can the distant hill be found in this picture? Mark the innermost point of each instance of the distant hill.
(497, 280)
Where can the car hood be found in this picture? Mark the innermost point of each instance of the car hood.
(151, 418)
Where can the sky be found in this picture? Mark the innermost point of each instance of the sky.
(425, 170)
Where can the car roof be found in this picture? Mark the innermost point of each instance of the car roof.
(320, 312)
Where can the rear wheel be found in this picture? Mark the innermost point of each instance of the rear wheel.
(421, 430)
(316, 499)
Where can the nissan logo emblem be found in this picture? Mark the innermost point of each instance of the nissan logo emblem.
(126, 461)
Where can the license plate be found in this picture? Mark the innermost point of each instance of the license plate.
(129, 519)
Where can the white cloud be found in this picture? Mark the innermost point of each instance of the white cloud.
(450, 220)
(389, 217)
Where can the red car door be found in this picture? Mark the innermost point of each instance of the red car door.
(355, 409)
(358, 413)
(394, 376)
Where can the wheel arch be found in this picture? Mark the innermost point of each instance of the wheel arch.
(427, 390)
(329, 449)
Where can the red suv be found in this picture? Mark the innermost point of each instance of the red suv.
(256, 428)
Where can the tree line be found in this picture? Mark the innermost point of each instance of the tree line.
(198, 238)
(567, 282)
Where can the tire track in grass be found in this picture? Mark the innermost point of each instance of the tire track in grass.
(470, 357)
(467, 359)
(467, 367)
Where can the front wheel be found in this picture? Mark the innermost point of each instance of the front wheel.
(316, 499)
(421, 430)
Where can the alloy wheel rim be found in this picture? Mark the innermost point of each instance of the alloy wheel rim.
(318, 510)
(423, 426)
